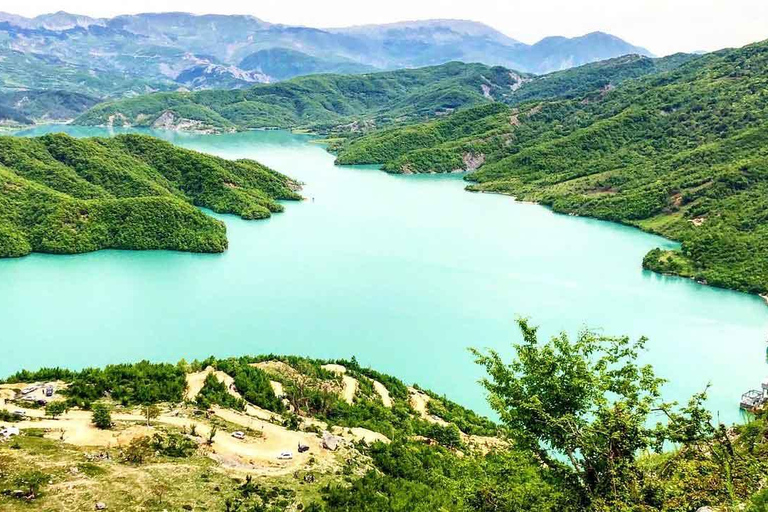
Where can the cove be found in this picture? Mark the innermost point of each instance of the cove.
(403, 272)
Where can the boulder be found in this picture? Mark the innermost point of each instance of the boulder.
(330, 441)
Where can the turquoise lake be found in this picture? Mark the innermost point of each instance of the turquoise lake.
(404, 272)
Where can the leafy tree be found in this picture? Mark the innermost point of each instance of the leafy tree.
(101, 416)
(138, 450)
(31, 482)
(55, 409)
(584, 407)
(151, 412)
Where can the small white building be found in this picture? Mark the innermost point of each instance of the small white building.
(7, 432)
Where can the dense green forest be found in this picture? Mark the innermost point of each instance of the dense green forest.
(354, 103)
(680, 152)
(67, 195)
(319, 101)
(581, 426)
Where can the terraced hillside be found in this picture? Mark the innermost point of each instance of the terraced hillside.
(67, 195)
(681, 153)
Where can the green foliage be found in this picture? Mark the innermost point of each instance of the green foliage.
(415, 477)
(6, 415)
(43, 374)
(55, 409)
(215, 392)
(319, 101)
(66, 195)
(30, 482)
(173, 444)
(284, 63)
(138, 450)
(601, 75)
(589, 403)
(466, 420)
(252, 383)
(101, 416)
(253, 497)
(128, 384)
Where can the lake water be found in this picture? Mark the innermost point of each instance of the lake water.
(404, 272)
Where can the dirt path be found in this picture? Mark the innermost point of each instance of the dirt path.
(419, 401)
(383, 392)
(360, 434)
(349, 384)
(277, 388)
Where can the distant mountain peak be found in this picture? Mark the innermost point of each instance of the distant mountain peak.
(465, 27)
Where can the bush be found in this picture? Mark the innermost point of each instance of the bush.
(101, 416)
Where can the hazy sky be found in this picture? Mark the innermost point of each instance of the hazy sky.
(662, 26)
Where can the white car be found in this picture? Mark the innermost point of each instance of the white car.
(285, 455)
(238, 435)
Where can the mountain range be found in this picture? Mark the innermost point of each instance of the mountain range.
(167, 50)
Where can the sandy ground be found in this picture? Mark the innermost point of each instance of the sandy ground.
(277, 388)
(349, 384)
(335, 368)
(195, 382)
(277, 367)
(257, 453)
(383, 392)
(10, 391)
(419, 402)
(359, 434)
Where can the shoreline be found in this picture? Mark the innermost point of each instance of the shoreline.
(763, 296)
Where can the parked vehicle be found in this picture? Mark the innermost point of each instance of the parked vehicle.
(238, 435)
(285, 456)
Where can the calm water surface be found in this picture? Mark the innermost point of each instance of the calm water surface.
(404, 272)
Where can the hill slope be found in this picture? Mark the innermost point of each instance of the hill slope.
(284, 63)
(316, 101)
(66, 195)
(681, 153)
(277, 433)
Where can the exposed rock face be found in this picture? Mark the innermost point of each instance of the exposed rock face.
(118, 119)
(473, 161)
(169, 120)
(518, 81)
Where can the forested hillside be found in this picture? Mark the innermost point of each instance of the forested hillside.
(66, 195)
(315, 101)
(681, 153)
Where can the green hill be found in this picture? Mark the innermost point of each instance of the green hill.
(682, 153)
(284, 63)
(577, 431)
(318, 101)
(67, 195)
(26, 107)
